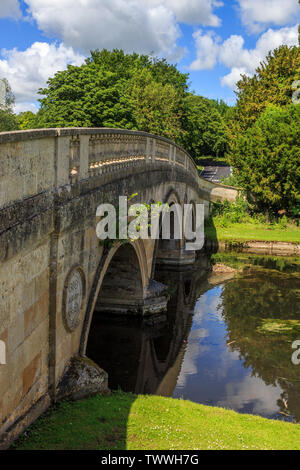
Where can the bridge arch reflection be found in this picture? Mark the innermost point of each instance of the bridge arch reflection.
(144, 355)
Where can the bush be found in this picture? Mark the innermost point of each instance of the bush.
(231, 212)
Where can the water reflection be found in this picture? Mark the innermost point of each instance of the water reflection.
(225, 341)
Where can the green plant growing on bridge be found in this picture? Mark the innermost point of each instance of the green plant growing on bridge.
(110, 242)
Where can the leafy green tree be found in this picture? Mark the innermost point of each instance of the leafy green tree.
(8, 121)
(271, 84)
(27, 120)
(114, 89)
(204, 126)
(157, 107)
(266, 159)
(86, 96)
(131, 91)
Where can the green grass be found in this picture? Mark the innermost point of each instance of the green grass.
(126, 421)
(210, 161)
(289, 264)
(252, 232)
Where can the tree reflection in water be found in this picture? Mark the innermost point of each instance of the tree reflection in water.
(257, 307)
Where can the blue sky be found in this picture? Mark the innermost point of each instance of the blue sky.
(213, 40)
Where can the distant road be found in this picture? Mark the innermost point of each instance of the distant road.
(215, 173)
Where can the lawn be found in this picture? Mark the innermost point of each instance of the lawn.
(252, 232)
(125, 421)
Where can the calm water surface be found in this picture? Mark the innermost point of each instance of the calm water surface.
(225, 341)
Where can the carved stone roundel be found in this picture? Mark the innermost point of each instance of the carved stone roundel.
(73, 299)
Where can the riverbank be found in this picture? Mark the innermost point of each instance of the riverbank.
(252, 232)
(126, 421)
(253, 238)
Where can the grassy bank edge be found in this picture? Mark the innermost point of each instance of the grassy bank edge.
(126, 421)
(252, 232)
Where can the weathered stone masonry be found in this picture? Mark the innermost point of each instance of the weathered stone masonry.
(51, 264)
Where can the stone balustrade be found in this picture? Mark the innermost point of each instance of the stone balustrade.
(39, 160)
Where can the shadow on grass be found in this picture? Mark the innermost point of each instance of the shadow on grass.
(96, 423)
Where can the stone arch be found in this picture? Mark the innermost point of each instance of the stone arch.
(172, 196)
(169, 252)
(135, 250)
(193, 203)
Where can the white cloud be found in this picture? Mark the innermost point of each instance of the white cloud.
(257, 15)
(191, 12)
(207, 51)
(29, 70)
(233, 54)
(252, 391)
(143, 26)
(127, 24)
(10, 8)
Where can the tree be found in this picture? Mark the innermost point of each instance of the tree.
(8, 120)
(86, 96)
(204, 126)
(266, 159)
(9, 97)
(131, 91)
(271, 84)
(157, 107)
(114, 89)
(27, 120)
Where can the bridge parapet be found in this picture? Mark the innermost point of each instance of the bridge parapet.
(35, 161)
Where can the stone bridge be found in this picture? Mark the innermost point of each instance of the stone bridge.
(54, 275)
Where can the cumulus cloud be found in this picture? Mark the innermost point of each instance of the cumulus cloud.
(143, 26)
(85, 24)
(233, 54)
(29, 70)
(257, 15)
(192, 12)
(207, 51)
(10, 8)
(252, 391)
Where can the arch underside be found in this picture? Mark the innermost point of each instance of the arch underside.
(172, 251)
(122, 290)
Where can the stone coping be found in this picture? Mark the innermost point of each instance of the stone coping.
(17, 136)
(23, 135)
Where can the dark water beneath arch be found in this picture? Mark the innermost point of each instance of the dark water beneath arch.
(226, 340)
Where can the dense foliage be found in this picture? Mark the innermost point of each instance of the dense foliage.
(114, 89)
(265, 134)
(204, 127)
(266, 159)
(131, 91)
(8, 120)
(271, 84)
